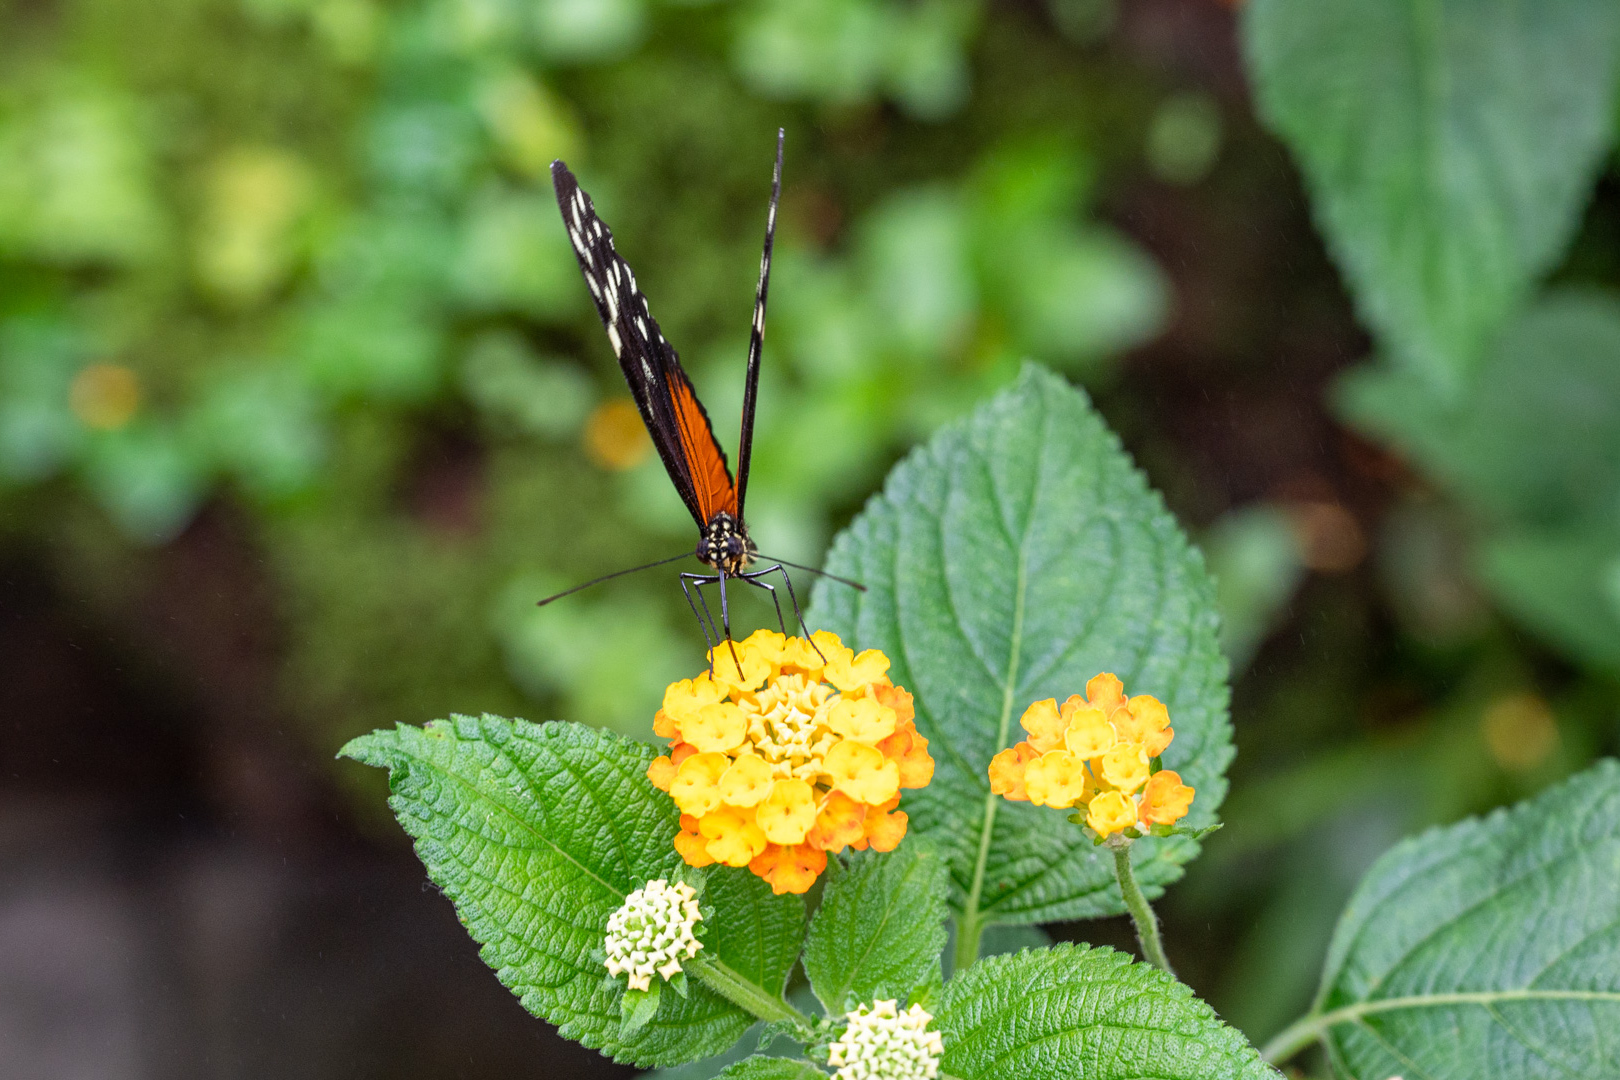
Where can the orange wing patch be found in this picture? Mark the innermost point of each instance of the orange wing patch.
(711, 478)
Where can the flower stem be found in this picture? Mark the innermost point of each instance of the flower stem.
(713, 973)
(1147, 923)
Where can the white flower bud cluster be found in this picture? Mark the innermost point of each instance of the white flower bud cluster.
(652, 932)
(882, 1043)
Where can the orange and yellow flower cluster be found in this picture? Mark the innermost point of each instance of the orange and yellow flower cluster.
(788, 750)
(1096, 752)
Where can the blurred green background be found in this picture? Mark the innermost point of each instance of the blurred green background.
(302, 406)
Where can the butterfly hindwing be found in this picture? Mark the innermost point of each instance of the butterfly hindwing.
(676, 420)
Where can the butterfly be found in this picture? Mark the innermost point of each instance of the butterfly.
(675, 418)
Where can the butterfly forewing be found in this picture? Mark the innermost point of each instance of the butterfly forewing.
(674, 417)
(756, 334)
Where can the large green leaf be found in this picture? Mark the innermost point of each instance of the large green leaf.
(1449, 146)
(1010, 559)
(1073, 1012)
(1489, 948)
(1565, 586)
(537, 833)
(1535, 439)
(880, 927)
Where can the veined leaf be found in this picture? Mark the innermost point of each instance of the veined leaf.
(1489, 948)
(1449, 146)
(769, 1068)
(880, 927)
(1012, 558)
(1077, 1013)
(537, 833)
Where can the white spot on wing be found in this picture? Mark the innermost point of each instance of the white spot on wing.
(613, 339)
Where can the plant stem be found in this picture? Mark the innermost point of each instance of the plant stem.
(1147, 923)
(968, 930)
(714, 974)
(1314, 1025)
(970, 925)
(1294, 1038)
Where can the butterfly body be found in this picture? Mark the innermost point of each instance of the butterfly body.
(674, 416)
(725, 545)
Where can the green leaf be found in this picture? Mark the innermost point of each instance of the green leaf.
(1449, 147)
(880, 927)
(637, 1007)
(1489, 948)
(1014, 557)
(1535, 439)
(1565, 586)
(770, 1068)
(537, 833)
(1072, 1011)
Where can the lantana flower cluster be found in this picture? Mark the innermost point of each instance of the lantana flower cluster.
(787, 749)
(652, 932)
(1096, 752)
(884, 1043)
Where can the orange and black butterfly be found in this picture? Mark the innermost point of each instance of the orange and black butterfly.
(673, 414)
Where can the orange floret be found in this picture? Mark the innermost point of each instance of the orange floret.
(1007, 771)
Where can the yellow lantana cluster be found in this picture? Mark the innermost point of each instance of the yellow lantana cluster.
(788, 748)
(1096, 751)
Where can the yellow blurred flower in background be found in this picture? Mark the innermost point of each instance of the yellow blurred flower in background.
(105, 396)
(789, 749)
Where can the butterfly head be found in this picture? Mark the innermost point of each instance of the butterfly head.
(725, 545)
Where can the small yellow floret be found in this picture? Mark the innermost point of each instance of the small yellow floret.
(1089, 734)
(788, 813)
(747, 781)
(733, 837)
(1111, 812)
(1125, 767)
(861, 718)
(696, 787)
(1057, 778)
(715, 728)
(1044, 725)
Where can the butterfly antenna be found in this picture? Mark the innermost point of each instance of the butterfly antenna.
(813, 570)
(608, 577)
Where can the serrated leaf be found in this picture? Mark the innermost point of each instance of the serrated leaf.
(1072, 1011)
(769, 1068)
(637, 1007)
(1012, 558)
(1448, 146)
(537, 833)
(1489, 948)
(1534, 441)
(880, 927)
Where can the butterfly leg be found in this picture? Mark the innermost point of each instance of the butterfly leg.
(753, 579)
(793, 598)
(706, 619)
(725, 621)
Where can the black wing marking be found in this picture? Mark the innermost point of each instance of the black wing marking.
(651, 367)
(756, 334)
